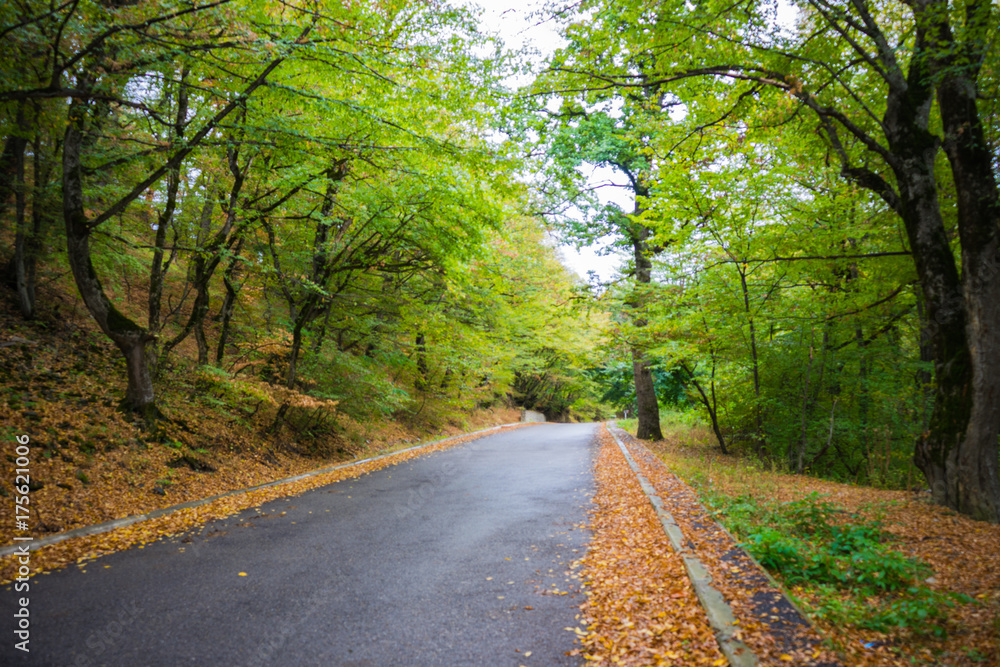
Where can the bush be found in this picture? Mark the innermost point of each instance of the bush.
(845, 561)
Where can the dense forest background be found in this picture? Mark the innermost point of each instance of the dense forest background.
(350, 209)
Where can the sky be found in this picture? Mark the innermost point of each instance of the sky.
(514, 22)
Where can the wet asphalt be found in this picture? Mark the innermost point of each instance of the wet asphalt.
(462, 557)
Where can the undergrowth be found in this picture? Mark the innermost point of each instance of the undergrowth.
(845, 560)
(840, 565)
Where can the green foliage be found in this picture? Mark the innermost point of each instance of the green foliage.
(359, 199)
(616, 380)
(848, 563)
(783, 278)
(361, 385)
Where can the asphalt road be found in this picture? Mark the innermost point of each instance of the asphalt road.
(457, 558)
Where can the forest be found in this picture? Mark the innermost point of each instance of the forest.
(348, 208)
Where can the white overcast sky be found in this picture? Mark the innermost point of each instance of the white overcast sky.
(518, 25)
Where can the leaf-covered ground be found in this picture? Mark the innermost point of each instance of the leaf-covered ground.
(962, 554)
(641, 608)
(774, 631)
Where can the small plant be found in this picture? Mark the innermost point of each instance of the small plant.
(810, 515)
(845, 562)
(82, 476)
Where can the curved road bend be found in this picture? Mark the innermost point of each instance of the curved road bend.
(457, 558)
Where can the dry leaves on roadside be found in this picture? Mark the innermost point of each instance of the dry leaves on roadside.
(962, 553)
(640, 608)
(734, 574)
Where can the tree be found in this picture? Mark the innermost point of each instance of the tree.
(889, 91)
(162, 96)
(597, 137)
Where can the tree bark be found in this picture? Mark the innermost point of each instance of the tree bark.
(710, 405)
(647, 405)
(958, 453)
(128, 336)
(229, 302)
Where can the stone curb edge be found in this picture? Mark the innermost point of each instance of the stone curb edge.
(720, 615)
(108, 526)
(778, 586)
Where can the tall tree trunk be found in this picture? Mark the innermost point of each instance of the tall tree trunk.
(128, 336)
(958, 453)
(970, 462)
(647, 405)
(229, 302)
(23, 262)
(759, 435)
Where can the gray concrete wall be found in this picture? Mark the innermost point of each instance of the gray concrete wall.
(530, 416)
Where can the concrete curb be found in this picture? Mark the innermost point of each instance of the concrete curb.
(108, 526)
(778, 586)
(720, 615)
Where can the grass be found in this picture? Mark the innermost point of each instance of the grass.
(827, 543)
(845, 560)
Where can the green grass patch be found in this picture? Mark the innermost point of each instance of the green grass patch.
(846, 563)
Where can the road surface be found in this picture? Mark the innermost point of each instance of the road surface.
(457, 558)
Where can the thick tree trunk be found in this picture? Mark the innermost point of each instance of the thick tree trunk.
(946, 312)
(958, 453)
(972, 464)
(648, 408)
